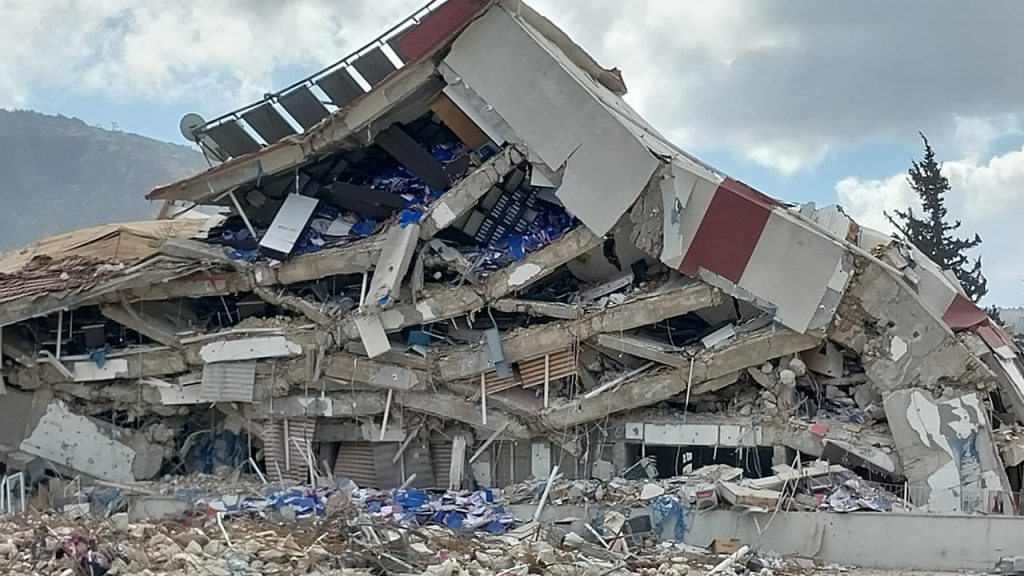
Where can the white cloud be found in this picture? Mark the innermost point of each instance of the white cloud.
(786, 83)
(222, 53)
(43, 46)
(781, 82)
(987, 196)
(974, 136)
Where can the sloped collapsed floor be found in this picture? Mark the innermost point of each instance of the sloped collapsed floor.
(485, 266)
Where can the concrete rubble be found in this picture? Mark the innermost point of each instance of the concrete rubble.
(482, 267)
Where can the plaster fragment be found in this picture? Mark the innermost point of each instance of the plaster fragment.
(898, 348)
(523, 274)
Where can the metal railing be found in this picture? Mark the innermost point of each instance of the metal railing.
(345, 62)
(965, 498)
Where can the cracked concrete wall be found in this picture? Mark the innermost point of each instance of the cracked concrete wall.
(946, 446)
(901, 343)
(82, 444)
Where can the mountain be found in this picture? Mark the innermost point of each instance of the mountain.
(59, 173)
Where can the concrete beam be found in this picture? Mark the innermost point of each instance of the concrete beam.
(140, 364)
(189, 249)
(537, 265)
(645, 348)
(715, 384)
(294, 304)
(354, 258)
(743, 352)
(194, 285)
(390, 357)
(337, 405)
(442, 303)
(451, 407)
(537, 308)
(153, 327)
(351, 368)
(462, 197)
(531, 342)
(518, 402)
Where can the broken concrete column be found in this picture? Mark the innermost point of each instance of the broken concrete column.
(395, 257)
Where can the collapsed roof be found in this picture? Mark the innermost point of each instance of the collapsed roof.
(436, 238)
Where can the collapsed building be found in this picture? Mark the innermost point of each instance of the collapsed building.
(441, 264)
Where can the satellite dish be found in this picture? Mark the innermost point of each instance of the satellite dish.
(191, 125)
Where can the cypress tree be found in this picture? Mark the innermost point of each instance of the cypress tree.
(931, 233)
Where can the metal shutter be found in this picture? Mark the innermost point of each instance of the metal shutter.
(294, 470)
(356, 462)
(389, 475)
(502, 456)
(441, 462)
(228, 381)
(416, 460)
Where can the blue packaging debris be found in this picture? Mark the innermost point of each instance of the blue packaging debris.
(364, 227)
(99, 356)
(418, 338)
(668, 518)
(247, 255)
(463, 511)
(445, 152)
(110, 499)
(409, 216)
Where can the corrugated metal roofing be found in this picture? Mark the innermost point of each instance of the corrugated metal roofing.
(228, 381)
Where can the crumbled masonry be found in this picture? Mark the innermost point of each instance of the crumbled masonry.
(485, 269)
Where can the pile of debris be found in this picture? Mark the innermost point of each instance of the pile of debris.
(814, 486)
(346, 541)
(474, 269)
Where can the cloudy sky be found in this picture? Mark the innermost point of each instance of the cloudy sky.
(807, 101)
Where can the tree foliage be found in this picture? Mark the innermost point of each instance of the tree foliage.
(931, 233)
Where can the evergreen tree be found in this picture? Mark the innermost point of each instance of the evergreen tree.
(931, 233)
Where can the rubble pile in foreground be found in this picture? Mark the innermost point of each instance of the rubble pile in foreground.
(475, 267)
(237, 525)
(342, 537)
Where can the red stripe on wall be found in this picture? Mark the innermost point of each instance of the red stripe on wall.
(994, 335)
(437, 26)
(729, 231)
(962, 313)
